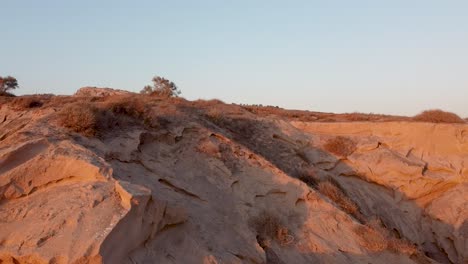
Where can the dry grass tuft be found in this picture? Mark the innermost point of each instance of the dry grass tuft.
(60, 101)
(308, 116)
(215, 116)
(402, 246)
(93, 117)
(335, 194)
(27, 102)
(371, 237)
(131, 106)
(375, 237)
(438, 116)
(270, 228)
(144, 110)
(81, 118)
(341, 146)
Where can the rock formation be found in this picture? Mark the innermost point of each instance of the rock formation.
(206, 182)
(99, 92)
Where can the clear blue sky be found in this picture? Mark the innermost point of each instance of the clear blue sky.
(396, 56)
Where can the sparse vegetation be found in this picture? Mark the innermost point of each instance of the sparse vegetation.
(59, 101)
(402, 246)
(268, 228)
(26, 102)
(332, 191)
(7, 83)
(375, 237)
(309, 116)
(162, 88)
(214, 115)
(248, 139)
(91, 117)
(438, 116)
(135, 109)
(128, 105)
(372, 237)
(341, 146)
(83, 118)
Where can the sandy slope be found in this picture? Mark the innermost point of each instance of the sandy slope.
(188, 191)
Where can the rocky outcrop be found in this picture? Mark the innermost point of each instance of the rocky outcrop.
(412, 175)
(100, 92)
(206, 188)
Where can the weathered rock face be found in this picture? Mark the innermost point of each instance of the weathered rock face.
(100, 92)
(412, 175)
(190, 191)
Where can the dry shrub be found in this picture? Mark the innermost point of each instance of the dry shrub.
(402, 246)
(269, 227)
(89, 120)
(131, 106)
(83, 118)
(215, 119)
(134, 109)
(92, 116)
(215, 116)
(438, 116)
(341, 146)
(356, 117)
(308, 116)
(273, 110)
(177, 100)
(332, 191)
(23, 103)
(365, 117)
(371, 237)
(60, 101)
(375, 237)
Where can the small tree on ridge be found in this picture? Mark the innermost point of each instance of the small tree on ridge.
(7, 83)
(161, 87)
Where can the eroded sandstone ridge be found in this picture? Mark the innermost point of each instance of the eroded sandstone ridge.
(206, 182)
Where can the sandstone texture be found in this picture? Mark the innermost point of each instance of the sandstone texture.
(191, 188)
(99, 92)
